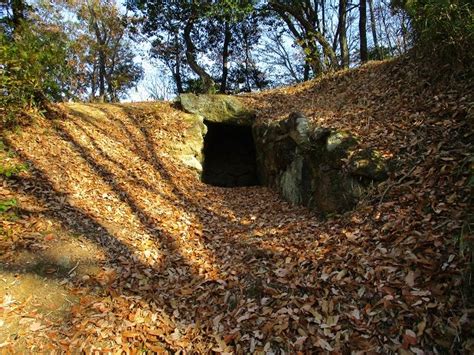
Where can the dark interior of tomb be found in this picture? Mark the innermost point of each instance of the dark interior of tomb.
(229, 156)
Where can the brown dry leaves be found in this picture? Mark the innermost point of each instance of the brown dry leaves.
(193, 267)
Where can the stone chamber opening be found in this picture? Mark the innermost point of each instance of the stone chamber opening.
(229, 156)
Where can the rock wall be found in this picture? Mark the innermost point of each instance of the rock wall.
(190, 150)
(321, 168)
(218, 108)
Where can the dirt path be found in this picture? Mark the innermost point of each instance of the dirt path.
(115, 246)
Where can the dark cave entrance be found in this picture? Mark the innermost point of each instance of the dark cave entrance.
(229, 156)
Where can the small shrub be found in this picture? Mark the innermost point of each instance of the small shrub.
(9, 169)
(33, 70)
(5, 205)
(443, 29)
(196, 86)
(380, 53)
(12, 170)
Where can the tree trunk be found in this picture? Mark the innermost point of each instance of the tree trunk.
(101, 39)
(387, 33)
(323, 17)
(177, 78)
(364, 55)
(113, 96)
(374, 29)
(102, 74)
(93, 81)
(177, 73)
(18, 11)
(225, 57)
(314, 60)
(308, 35)
(207, 81)
(306, 72)
(111, 90)
(343, 34)
(247, 60)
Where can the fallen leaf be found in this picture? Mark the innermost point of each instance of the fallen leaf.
(36, 326)
(409, 338)
(410, 279)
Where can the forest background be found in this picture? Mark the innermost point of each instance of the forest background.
(107, 50)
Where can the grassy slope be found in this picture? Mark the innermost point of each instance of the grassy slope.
(179, 264)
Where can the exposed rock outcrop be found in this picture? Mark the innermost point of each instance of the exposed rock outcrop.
(218, 108)
(189, 150)
(320, 168)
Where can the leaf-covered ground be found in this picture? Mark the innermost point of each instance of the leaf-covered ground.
(113, 245)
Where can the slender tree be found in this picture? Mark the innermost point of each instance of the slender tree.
(342, 32)
(207, 80)
(204, 35)
(18, 11)
(95, 17)
(168, 46)
(302, 20)
(99, 50)
(364, 54)
(113, 69)
(373, 28)
(12, 14)
(276, 53)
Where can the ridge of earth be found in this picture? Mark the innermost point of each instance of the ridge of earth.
(115, 245)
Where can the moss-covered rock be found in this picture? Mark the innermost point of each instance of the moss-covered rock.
(218, 108)
(309, 166)
(318, 167)
(338, 143)
(367, 163)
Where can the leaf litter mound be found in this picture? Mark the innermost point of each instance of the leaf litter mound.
(177, 265)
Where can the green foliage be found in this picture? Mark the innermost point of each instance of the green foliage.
(5, 205)
(208, 24)
(9, 170)
(123, 74)
(196, 86)
(34, 69)
(12, 170)
(230, 10)
(443, 28)
(380, 53)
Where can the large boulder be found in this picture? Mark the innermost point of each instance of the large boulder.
(189, 149)
(320, 168)
(367, 163)
(218, 108)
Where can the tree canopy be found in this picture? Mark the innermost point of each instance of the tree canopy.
(89, 50)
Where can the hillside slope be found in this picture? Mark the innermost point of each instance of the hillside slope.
(116, 245)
